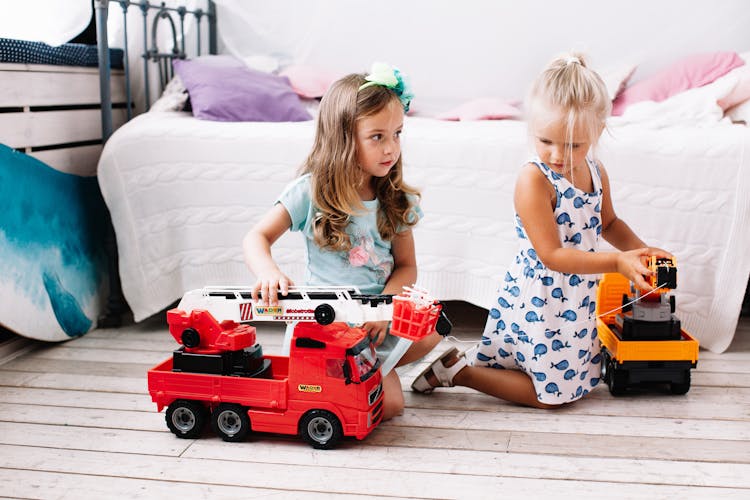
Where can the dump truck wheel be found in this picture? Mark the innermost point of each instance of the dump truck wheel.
(681, 387)
(616, 379)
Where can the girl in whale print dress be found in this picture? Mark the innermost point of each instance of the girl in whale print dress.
(539, 346)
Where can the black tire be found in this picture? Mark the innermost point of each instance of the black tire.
(605, 365)
(616, 379)
(324, 314)
(683, 387)
(230, 422)
(321, 429)
(190, 337)
(186, 418)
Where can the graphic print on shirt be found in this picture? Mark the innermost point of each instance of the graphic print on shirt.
(364, 252)
(543, 321)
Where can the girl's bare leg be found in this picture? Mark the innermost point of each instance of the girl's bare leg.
(418, 349)
(393, 396)
(511, 385)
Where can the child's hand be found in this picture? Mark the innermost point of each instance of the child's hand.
(632, 264)
(376, 330)
(269, 284)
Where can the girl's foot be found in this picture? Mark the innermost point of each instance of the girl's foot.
(440, 373)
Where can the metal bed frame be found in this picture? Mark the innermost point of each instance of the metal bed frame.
(152, 55)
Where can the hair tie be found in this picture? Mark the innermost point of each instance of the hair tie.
(390, 77)
(572, 60)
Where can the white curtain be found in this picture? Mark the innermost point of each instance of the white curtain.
(456, 50)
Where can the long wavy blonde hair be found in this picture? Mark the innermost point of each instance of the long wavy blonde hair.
(336, 175)
(568, 84)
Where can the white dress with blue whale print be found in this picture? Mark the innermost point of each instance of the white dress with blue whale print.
(544, 321)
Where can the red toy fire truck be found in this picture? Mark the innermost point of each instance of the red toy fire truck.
(328, 387)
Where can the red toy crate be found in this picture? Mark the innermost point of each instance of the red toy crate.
(412, 321)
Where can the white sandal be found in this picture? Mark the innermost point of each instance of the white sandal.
(443, 374)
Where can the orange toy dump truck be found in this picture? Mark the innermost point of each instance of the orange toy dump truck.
(643, 344)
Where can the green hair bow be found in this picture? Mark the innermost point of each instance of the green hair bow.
(390, 77)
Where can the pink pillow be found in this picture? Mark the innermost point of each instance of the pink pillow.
(691, 72)
(308, 81)
(741, 91)
(485, 108)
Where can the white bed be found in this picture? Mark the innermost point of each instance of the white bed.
(182, 193)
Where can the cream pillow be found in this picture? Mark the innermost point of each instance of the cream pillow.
(173, 98)
(739, 113)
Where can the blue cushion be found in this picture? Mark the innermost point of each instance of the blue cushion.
(67, 54)
(52, 258)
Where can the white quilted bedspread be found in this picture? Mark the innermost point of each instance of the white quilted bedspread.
(183, 192)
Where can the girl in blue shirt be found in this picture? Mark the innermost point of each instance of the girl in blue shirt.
(352, 206)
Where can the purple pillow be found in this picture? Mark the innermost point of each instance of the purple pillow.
(222, 88)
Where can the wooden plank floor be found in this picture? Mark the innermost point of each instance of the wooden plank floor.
(76, 421)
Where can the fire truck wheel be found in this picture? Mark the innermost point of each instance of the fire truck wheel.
(230, 422)
(321, 429)
(324, 314)
(186, 418)
(190, 337)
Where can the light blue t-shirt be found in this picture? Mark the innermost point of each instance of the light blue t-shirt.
(368, 264)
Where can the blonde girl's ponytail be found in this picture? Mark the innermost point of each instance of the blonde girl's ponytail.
(569, 87)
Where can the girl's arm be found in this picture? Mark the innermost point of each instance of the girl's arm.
(534, 200)
(257, 250)
(404, 263)
(404, 274)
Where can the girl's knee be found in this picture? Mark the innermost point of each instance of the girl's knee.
(392, 406)
(545, 406)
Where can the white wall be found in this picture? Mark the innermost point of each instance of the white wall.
(458, 49)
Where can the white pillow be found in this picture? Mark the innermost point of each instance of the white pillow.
(266, 64)
(616, 77)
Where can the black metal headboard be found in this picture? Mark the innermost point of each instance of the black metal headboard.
(116, 306)
(151, 55)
